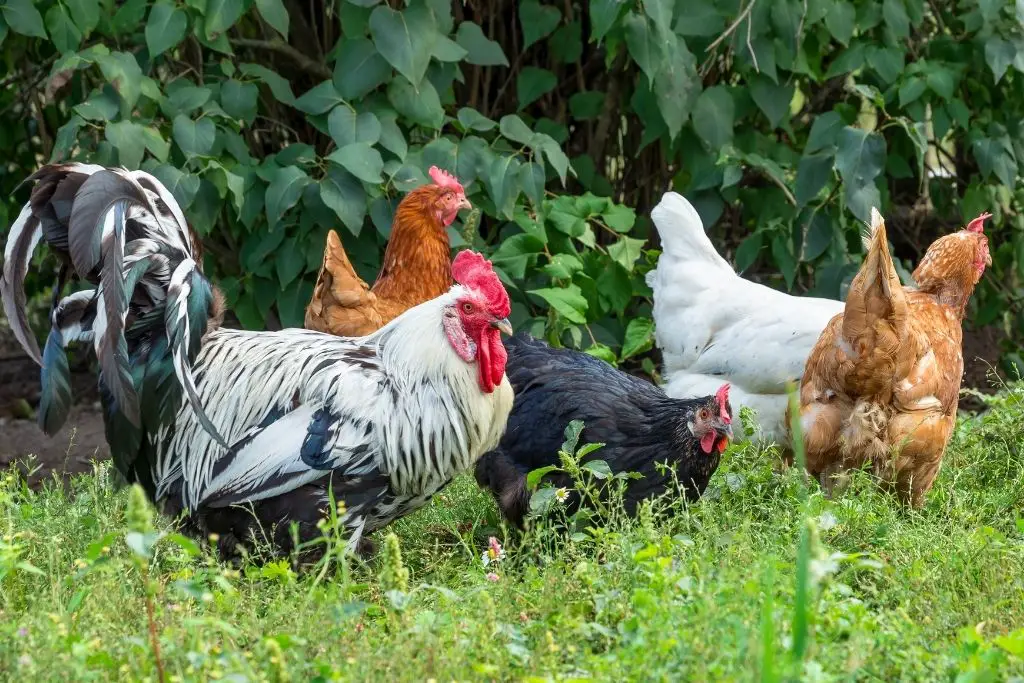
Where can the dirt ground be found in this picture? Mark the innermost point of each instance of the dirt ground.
(82, 440)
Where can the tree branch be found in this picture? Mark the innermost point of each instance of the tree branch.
(302, 61)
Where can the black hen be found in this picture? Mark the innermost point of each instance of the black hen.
(639, 425)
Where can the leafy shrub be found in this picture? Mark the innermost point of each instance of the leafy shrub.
(784, 121)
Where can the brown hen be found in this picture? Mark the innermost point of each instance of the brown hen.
(417, 265)
(881, 383)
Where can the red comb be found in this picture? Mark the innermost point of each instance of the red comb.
(722, 396)
(472, 270)
(445, 179)
(978, 224)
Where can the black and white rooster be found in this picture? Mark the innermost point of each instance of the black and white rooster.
(247, 432)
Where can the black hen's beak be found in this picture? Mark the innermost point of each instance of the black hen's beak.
(502, 325)
(723, 428)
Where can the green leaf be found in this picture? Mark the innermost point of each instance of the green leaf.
(471, 119)
(480, 50)
(644, 46)
(361, 160)
(421, 106)
(502, 185)
(289, 264)
(123, 72)
(771, 99)
(999, 54)
(819, 237)
(86, 14)
(840, 20)
(859, 160)
(359, 68)
(676, 87)
(142, 543)
(222, 15)
(127, 138)
(405, 39)
(626, 251)
(887, 61)
(940, 80)
(586, 105)
(275, 14)
(534, 477)
(278, 85)
(824, 132)
(347, 127)
(531, 179)
(713, 117)
(23, 18)
(896, 18)
(67, 138)
(598, 468)
(542, 501)
(533, 83)
(614, 288)
(603, 15)
(319, 99)
(194, 138)
(911, 91)
(812, 174)
(639, 337)
(165, 29)
(748, 250)
(568, 302)
(995, 156)
(291, 303)
(187, 98)
(238, 99)
(783, 257)
(447, 50)
(184, 186)
(538, 21)
(286, 186)
(392, 138)
(513, 128)
(65, 35)
(344, 195)
(620, 218)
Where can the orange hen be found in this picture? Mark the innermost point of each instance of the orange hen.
(417, 265)
(882, 382)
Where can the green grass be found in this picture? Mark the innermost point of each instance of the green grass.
(707, 592)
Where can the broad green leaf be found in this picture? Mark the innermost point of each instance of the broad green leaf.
(644, 46)
(535, 476)
(940, 80)
(127, 137)
(911, 91)
(502, 184)
(165, 28)
(347, 127)
(626, 251)
(887, 61)
(447, 50)
(896, 18)
(513, 128)
(67, 138)
(344, 194)
(537, 21)
(291, 303)
(841, 19)
(614, 288)
(533, 83)
(603, 15)
(819, 237)
(194, 138)
(542, 501)
(392, 138)
(586, 105)
(471, 119)
(405, 38)
(63, 32)
(748, 250)
(238, 99)
(995, 156)
(598, 468)
(771, 99)
(183, 186)
(221, 15)
(128, 16)
(639, 337)
(275, 14)
(187, 98)
(421, 106)
(23, 17)
(86, 14)
(619, 218)
(278, 85)
(319, 99)
(286, 186)
(359, 68)
(123, 72)
(99, 107)
(812, 174)
(289, 264)
(361, 160)
(713, 117)
(568, 302)
(676, 86)
(784, 259)
(298, 153)
(999, 54)
(480, 50)
(859, 160)
(531, 179)
(516, 252)
(554, 154)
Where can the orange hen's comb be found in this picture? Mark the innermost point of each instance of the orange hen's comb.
(472, 270)
(978, 224)
(443, 178)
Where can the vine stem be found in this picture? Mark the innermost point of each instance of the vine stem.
(151, 619)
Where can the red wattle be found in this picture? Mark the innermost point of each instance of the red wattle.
(483, 362)
(707, 442)
(722, 444)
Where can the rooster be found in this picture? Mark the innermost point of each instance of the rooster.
(713, 326)
(249, 432)
(638, 424)
(882, 381)
(417, 265)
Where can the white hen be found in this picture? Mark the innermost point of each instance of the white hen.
(713, 326)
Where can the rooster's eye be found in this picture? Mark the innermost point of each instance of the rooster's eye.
(467, 307)
(704, 413)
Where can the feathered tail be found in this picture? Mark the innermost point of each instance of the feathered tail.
(124, 233)
(682, 232)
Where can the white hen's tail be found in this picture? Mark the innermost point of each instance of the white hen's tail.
(682, 233)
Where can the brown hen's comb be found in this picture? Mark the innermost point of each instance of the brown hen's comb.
(443, 178)
(722, 396)
(472, 270)
(978, 224)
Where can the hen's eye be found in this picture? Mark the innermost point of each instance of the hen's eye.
(704, 414)
(467, 307)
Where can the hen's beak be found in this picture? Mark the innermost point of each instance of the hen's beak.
(464, 203)
(503, 325)
(723, 429)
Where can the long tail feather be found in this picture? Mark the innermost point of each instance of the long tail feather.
(71, 320)
(21, 242)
